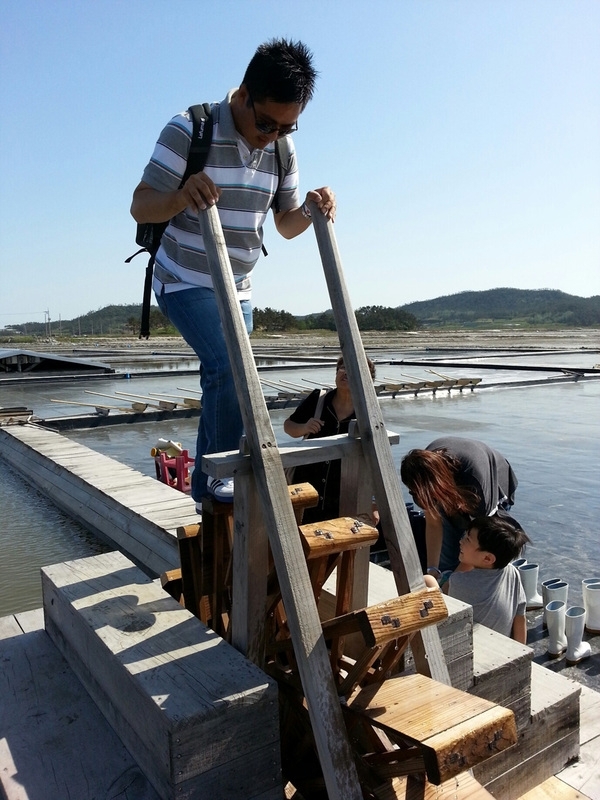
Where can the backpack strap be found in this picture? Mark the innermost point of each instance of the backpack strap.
(202, 129)
(282, 154)
(320, 404)
(319, 408)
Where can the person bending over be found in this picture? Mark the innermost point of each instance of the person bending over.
(454, 480)
(486, 580)
(241, 177)
(335, 417)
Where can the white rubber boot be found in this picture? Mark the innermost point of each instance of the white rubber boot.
(519, 562)
(557, 641)
(591, 602)
(556, 591)
(529, 576)
(577, 650)
(546, 599)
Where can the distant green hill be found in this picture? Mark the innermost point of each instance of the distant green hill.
(493, 308)
(530, 307)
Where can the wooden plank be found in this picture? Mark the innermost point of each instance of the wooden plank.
(455, 729)
(402, 616)
(589, 704)
(55, 743)
(554, 720)
(9, 627)
(311, 451)
(456, 632)
(330, 735)
(553, 789)
(395, 524)
(320, 539)
(183, 701)
(30, 621)
(523, 775)
(502, 672)
(355, 501)
(463, 787)
(250, 569)
(140, 536)
(189, 543)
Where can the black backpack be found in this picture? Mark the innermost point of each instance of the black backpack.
(149, 234)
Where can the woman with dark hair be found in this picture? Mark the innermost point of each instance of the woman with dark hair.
(455, 480)
(337, 410)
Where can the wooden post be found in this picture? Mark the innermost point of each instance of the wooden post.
(328, 726)
(402, 550)
(355, 499)
(250, 565)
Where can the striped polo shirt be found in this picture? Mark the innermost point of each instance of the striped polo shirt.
(248, 180)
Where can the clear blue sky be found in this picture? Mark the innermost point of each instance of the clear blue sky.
(461, 136)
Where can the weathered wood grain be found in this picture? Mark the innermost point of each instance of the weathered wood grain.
(320, 539)
(309, 647)
(395, 524)
(137, 513)
(184, 702)
(546, 744)
(464, 787)
(455, 730)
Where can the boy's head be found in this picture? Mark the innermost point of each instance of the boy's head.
(491, 543)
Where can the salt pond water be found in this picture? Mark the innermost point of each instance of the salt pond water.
(549, 433)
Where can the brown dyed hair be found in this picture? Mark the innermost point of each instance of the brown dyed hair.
(430, 476)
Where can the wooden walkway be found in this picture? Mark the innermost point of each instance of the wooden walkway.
(137, 514)
(140, 516)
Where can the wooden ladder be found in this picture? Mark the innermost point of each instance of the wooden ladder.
(264, 527)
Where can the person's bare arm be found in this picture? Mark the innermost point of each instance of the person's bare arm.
(519, 629)
(152, 205)
(298, 429)
(433, 538)
(292, 222)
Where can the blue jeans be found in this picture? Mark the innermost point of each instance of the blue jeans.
(195, 314)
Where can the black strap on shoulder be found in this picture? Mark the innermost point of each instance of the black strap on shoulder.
(282, 154)
(202, 128)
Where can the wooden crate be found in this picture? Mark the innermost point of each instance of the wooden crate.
(200, 719)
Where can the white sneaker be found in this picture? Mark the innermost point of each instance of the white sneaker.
(221, 489)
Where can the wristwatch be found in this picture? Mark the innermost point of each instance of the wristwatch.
(437, 573)
(305, 210)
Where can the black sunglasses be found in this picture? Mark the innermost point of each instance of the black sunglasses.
(268, 129)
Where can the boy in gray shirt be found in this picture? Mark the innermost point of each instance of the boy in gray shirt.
(487, 581)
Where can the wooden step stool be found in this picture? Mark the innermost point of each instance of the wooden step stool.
(448, 731)
(203, 582)
(385, 630)
(327, 545)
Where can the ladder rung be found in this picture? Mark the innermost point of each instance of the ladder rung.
(336, 536)
(456, 730)
(383, 622)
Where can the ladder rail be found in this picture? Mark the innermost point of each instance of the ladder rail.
(331, 739)
(395, 524)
